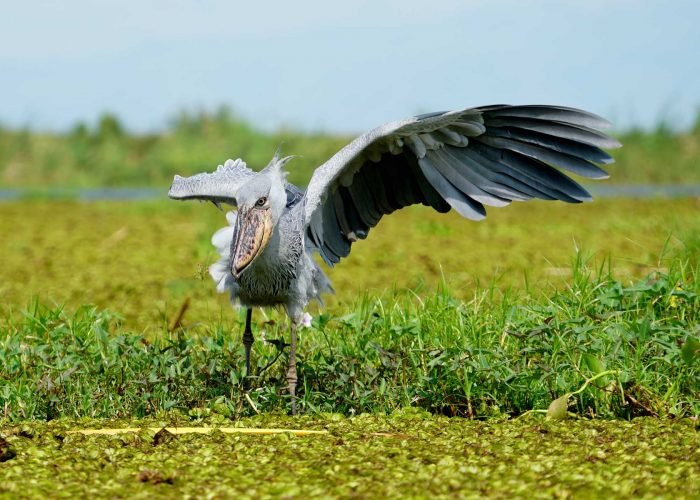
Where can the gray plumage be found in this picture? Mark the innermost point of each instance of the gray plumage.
(462, 159)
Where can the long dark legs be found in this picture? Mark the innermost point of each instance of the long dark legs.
(248, 340)
(292, 370)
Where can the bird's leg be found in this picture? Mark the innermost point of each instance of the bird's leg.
(292, 370)
(248, 340)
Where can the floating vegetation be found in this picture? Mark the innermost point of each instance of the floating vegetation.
(426, 455)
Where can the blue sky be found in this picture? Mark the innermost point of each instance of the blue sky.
(344, 67)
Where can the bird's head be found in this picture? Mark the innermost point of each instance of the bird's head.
(261, 202)
(261, 199)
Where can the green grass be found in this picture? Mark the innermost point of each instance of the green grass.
(487, 356)
(108, 155)
(433, 311)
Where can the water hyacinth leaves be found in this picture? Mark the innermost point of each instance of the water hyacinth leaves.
(431, 456)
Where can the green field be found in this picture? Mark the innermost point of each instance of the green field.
(551, 350)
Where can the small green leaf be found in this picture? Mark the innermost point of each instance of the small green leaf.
(690, 351)
(596, 366)
(592, 363)
(557, 408)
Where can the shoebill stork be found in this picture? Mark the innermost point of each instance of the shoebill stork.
(459, 160)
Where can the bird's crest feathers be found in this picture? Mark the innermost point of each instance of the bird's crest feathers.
(275, 167)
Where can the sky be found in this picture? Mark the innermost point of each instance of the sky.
(344, 67)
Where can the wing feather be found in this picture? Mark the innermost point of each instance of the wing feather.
(562, 145)
(358, 227)
(462, 159)
(568, 162)
(449, 167)
(375, 183)
(463, 204)
(554, 113)
(333, 238)
(430, 195)
(536, 173)
(362, 197)
(219, 186)
(490, 181)
(576, 133)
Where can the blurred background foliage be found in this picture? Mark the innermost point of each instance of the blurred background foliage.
(106, 154)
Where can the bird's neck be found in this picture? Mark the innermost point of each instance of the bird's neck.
(285, 246)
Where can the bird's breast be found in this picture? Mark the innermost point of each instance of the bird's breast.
(270, 278)
(265, 287)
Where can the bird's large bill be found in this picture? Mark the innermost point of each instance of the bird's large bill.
(253, 230)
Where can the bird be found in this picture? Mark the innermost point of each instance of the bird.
(459, 160)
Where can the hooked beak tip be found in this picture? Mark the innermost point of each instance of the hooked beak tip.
(236, 272)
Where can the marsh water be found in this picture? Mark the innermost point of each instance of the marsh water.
(643, 191)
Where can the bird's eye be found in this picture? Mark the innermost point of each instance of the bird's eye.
(261, 202)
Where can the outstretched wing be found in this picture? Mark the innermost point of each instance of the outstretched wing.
(461, 159)
(219, 186)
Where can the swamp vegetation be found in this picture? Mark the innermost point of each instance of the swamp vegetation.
(423, 455)
(463, 344)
